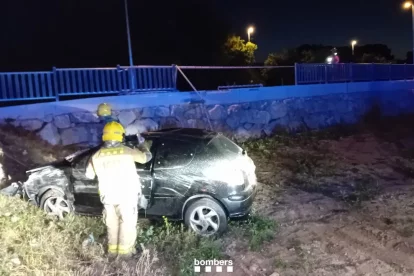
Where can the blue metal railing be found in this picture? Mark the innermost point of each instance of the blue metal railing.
(351, 72)
(85, 81)
(120, 80)
(26, 86)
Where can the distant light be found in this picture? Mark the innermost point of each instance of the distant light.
(407, 5)
(250, 30)
(335, 53)
(353, 42)
(329, 59)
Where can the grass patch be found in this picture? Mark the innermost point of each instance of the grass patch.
(256, 230)
(280, 264)
(180, 246)
(303, 157)
(405, 167)
(365, 188)
(407, 231)
(32, 243)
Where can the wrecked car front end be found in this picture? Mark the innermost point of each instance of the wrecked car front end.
(41, 180)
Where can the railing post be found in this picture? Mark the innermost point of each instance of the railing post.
(132, 79)
(351, 76)
(174, 76)
(55, 84)
(119, 78)
(296, 73)
(326, 73)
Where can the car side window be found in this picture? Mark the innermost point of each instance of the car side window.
(80, 162)
(173, 154)
(149, 144)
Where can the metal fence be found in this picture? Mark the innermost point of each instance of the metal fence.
(118, 80)
(26, 86)
(351, 72)
(85, 81)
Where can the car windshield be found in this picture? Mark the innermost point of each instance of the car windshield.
(224, 144)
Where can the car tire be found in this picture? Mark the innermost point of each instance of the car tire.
(214, 222)
(56, 204)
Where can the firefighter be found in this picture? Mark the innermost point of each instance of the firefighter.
(105, 113)
(119, 188)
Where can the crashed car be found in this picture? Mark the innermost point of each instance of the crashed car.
(195, 175)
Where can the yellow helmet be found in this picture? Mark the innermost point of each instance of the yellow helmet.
(113, 131)
(104, 109)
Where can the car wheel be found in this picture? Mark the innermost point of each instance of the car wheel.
(206, 217)
(55, 204)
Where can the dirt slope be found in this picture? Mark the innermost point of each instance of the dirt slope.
(23, 150)
(345, 206)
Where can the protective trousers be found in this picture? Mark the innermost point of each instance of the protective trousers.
(121, 222)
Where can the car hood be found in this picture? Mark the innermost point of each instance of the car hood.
(56, 164)
(59, 164)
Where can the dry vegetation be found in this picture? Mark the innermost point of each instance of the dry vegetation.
(33, 244)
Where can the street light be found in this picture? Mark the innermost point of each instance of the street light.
(250, 30)
(353, 43)
(408, 5)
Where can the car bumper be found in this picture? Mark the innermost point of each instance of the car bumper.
(239, 207)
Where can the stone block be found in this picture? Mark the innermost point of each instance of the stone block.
(75, 135)
(85, 117)
(62, 121)
(126, 117)
(162, 111)
(50, 134)
(32, 125)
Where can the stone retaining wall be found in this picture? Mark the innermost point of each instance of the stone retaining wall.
(241, 121)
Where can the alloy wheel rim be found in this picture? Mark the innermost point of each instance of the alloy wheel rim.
(57, 207)
(204, 221)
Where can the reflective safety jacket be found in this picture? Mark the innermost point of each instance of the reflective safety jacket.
(117, 175)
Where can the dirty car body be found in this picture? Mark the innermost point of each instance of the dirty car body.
(192, 172)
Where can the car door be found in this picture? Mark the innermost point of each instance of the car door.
(145, 172)
(170, 185)
(85, 190)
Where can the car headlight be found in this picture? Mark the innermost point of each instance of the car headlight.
(231, 176)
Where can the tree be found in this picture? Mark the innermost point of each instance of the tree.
(372, 58)
(287, 57)
(308, 56)
(238, 52)
(409, 57)
(284, 58)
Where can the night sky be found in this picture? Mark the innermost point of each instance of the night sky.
(79, 33)
(282, 24)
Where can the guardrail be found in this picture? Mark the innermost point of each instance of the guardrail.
(26, 86)
(121, 79)
(307, 73)
(85, 81)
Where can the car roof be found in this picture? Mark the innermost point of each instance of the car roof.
(188, 134)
